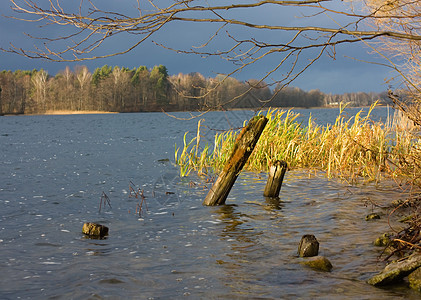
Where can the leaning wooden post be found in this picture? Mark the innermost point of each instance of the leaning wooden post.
(276, 176)
(1, 111)
(243, 147)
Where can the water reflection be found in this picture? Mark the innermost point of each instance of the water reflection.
(97, 248)
(240, 262)
(273, 203)
(235, 224)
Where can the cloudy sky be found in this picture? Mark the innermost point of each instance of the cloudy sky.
(344, 74)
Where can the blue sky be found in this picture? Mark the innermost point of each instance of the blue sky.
(341, 75)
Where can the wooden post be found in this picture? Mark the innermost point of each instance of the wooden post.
(276, 176)
(243, 147)
(1, 106)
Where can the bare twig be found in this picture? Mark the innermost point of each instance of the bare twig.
(138, 193)
(104, 199)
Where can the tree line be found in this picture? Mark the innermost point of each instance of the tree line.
(142, 89)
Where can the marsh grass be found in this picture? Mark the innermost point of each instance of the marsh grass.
(351, 149)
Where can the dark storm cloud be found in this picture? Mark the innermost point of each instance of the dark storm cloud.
(337, 76)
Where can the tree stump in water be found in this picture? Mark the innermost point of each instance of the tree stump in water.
(309, 246)
(243, 147)
(276, 176)
(1, 111)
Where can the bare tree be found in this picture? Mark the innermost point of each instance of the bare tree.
(403, 17)
(84, 78)
(121, 78)
(39, 80)
(248, 38)
(68, 93)
(187, 89)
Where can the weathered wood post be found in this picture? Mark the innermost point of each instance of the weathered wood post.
(1, 106)
(276, 176)
(243, 147)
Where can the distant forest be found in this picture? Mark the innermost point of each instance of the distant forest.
(120, 89)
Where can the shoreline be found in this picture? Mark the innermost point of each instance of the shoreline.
(76, 112)
(64, 112)
(96, 112)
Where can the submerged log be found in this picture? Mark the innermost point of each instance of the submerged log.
(243, 147)
(276, 176)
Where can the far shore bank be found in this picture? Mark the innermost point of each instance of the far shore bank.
(88, 112)
(76, 112)
(66, 112)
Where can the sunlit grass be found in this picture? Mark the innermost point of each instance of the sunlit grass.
(351, 149)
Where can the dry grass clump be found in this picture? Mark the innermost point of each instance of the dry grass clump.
(351, 148)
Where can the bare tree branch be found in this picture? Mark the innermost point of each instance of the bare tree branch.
(393, 23)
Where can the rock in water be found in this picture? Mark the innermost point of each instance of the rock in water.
(309, 246)
(383, 240)
(396, 271)
(372, 216)
(415, 280)
(320, 263)
(95, 230)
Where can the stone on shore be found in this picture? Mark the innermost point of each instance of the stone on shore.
(95, 230)
(415, 280)
(383, 240)
(320, 263)
(309, 246)
(396, 271)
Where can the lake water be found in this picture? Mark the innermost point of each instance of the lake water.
(54, 169)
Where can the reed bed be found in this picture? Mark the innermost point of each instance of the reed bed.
(351, 149)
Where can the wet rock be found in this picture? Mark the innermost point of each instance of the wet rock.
(95, 230)
(320, 263)
(309, 246)
(372, 216)
(383, 240)
(415, 280)
(396, 271)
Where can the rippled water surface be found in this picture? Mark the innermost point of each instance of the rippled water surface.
(55, 168)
